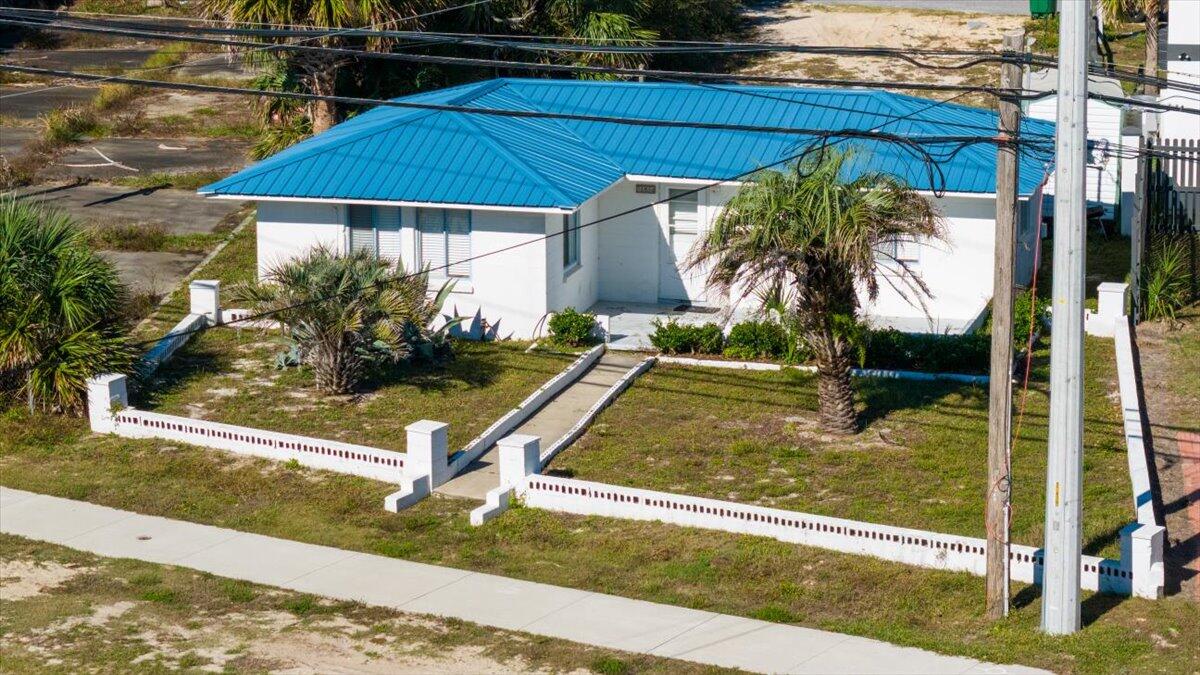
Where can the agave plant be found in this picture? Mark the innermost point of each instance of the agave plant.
(60, 309)
(344, 314)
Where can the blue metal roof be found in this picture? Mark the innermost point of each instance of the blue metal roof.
(411, 155)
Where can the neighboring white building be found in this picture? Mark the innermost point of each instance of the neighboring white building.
(1112, 162)
(1183, 66)
(487, 196)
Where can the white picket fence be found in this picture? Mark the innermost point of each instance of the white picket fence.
(913, 547)
(856, 372)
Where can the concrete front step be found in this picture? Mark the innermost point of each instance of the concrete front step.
(550, 422)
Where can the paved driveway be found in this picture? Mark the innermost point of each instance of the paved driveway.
(179, 211)
(1020, 7)
(147, 155)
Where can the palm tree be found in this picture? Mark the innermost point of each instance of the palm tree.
(593, 21)
(60, 309)
(319, 71)
(345, 314)
(815, 232)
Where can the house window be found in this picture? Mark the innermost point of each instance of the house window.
(683, 211)
(375, 229)
(900, 249)
(445, 241)
(571, 235)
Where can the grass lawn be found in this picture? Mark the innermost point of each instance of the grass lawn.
(227, 376)
(727, 573)
(68, 611)
(920, 462)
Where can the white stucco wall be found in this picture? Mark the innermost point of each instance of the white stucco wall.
(958, 271)
(578, 287)
(288, 230)
(1182, 29)
(506, 293)
(628, 246)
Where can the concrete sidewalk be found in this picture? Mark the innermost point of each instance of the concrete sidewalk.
(590, 618)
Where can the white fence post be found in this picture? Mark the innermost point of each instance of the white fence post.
(104, 392)
(427, 444)
(603, 328)
(205, 297)
(1142, 556)
(1110, 308)
(520, 456)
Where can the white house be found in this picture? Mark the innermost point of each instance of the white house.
(484, 197)
(1112, 162)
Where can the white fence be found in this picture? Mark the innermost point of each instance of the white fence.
(524, 410)
(857, 372)
(913, 547)
(237, 318)
(1134, 430)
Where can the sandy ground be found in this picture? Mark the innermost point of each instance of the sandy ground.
(259, 640)
(804, 23)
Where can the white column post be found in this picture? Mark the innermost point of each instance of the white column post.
(603, 327)
(104, 393)
(1112, 306)
(1142, 556)
(426, 451)
(519, 457)
(205, 297)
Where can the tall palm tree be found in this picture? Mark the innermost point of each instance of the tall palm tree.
(319, 71)
(60, 309)
(594, 21)
(816, 233)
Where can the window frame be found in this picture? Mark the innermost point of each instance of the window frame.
(350, 227)
(572, 243)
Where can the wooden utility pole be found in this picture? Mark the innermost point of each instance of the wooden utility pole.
(1000, 383)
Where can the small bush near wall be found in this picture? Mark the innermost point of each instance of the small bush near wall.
(890, 349)
(1021, 318)
(571, 327)
(756, 340)
(672, 337)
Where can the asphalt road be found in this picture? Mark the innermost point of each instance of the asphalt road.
(178, 211)
(39, 100)
(213, 64)
(147, 155)
(12, 139)
(154, 272)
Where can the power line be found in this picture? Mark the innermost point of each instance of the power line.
(535, 43)
(522, 65)
(414, 17)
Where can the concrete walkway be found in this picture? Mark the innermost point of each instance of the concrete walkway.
(551, 422)
(590, 618)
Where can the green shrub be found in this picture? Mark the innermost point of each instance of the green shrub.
(1165, 278)
(572, 327)
(890, 349)
(1021, 316)
(67, 125)
(672, 337)
(112, 96)
(757, 340)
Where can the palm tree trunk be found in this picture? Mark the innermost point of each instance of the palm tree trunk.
(835, 393)
(336, 367)
(323, 113)
(1151, 9)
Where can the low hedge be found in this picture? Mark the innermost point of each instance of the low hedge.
(571, 327)
(672, 337)
(892, 350)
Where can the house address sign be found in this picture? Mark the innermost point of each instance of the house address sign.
(646, 188)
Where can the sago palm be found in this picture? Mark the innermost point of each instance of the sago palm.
(320, 70)
(60, 309)
(345, 314)
(815, 232)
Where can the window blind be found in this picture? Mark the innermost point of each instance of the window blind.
(432, 227)
(362, 230)
(387, 231)
(458, 242)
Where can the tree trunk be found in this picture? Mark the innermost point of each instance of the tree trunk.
(835, 394)
(323, 113)
(1151, 8)
(336, 368)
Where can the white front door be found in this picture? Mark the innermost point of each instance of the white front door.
(680, 232)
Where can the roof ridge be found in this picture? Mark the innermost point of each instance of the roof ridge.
(531, 171)
(384, 126)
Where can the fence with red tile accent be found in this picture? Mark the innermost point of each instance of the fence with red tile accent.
(914, 547)
(359, 460)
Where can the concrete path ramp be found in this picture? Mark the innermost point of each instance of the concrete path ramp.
(551, 422)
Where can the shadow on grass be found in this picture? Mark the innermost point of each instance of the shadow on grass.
(1091, 608)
